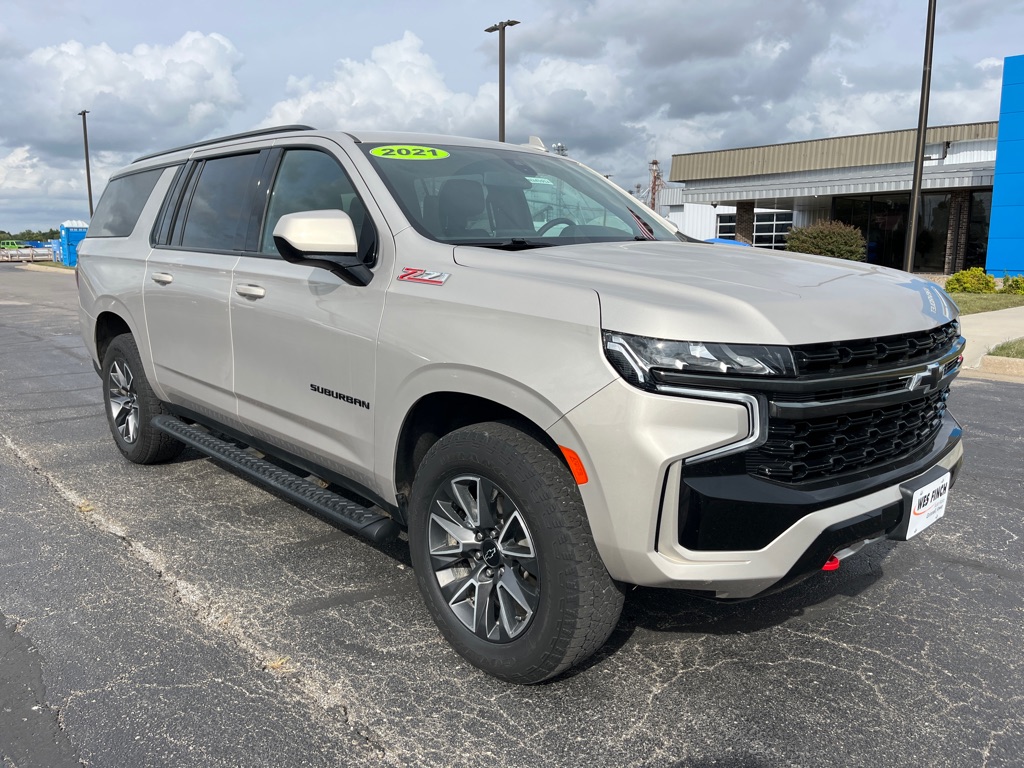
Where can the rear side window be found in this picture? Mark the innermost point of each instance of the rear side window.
(122, 202)
(219, 205)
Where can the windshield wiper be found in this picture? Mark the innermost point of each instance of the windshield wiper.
(507, 244)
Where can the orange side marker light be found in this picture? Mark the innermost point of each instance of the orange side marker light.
(579, 472)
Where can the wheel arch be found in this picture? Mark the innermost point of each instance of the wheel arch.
(437, 414)
(109, 325)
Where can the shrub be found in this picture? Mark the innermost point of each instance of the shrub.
(1014, 285)
(973, 280)
(828, 238)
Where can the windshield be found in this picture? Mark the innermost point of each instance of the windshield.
(507, 197)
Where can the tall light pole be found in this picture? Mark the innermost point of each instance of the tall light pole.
(88, 173)
(922, 129)
(500, 29)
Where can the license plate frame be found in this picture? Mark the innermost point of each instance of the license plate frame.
(924, 502)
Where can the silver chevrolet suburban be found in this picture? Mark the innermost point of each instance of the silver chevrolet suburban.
(531, 374)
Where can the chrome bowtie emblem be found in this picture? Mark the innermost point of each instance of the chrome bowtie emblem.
(927, 378)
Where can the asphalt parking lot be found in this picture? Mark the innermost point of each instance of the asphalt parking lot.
(180, 616)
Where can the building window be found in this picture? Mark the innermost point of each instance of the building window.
(933, 227)
(770, 229)
(727, 226)
(977, 235)
(883, 221)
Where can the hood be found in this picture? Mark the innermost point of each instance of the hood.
(698, 292)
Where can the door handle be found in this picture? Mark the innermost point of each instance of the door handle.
(251, 291)
(163, 278)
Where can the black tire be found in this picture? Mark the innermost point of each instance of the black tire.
(131, 404)
(540, 613)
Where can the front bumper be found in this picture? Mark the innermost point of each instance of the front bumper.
(756, 535)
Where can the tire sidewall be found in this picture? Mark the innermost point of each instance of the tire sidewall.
(491, 458)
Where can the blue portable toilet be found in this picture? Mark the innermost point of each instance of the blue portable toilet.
(71, 234)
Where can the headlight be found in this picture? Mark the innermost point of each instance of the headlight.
(635, 356)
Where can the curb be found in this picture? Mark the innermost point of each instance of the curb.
(1005, 366)
(42, 266)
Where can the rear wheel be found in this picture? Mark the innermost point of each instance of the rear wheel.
(504, 555)
(131, 404)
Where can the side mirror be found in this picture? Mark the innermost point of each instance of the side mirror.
(322, 239)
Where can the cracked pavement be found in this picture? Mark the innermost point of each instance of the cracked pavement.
(179, 615)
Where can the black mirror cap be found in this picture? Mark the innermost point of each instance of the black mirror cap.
(347, 266)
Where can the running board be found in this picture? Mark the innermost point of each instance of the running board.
(355, 517)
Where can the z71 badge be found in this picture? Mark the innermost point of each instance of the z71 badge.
(414, 275)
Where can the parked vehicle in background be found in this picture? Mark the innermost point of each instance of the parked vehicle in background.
(726, 241)
(9, 245)
(502, 354)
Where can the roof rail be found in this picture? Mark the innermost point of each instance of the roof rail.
(232, 137)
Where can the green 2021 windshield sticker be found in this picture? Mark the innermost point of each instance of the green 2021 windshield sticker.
(408, 152)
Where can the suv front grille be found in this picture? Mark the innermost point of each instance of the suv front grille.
(851, 357)
(815, 448)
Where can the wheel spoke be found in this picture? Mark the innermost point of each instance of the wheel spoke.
(518, 602)
(132, 425)
(515, 541)
(487, 516)
(460, 580)
(119, 403)
(473, 603)
(488, 610)
(450, 541)
(458, 536)
(450, 514)
(463, 496)
(118, 378)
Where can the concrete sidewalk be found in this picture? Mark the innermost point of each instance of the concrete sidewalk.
(985, 330)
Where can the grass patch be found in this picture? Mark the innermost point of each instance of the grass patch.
(971, 303)
(1013, 348)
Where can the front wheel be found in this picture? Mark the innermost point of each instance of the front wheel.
(131, 404)
(504, 555)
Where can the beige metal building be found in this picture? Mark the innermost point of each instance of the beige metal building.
(757, 193)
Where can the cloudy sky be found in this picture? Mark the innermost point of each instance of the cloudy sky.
(617, 82)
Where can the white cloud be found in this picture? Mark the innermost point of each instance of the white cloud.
(152, 95)
(398, 88)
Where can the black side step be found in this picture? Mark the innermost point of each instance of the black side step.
(355, 517)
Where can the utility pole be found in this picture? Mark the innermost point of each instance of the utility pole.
(500, 29)
(88, 173)
(922, 129)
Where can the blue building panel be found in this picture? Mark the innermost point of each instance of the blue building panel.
(1013, 70)
(1011, 196)
(1012, 123)
(1013, 99)
(1009, 155)
(1006, 226)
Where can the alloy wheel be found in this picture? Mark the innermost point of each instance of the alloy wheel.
(124, 401)
(483, 557)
